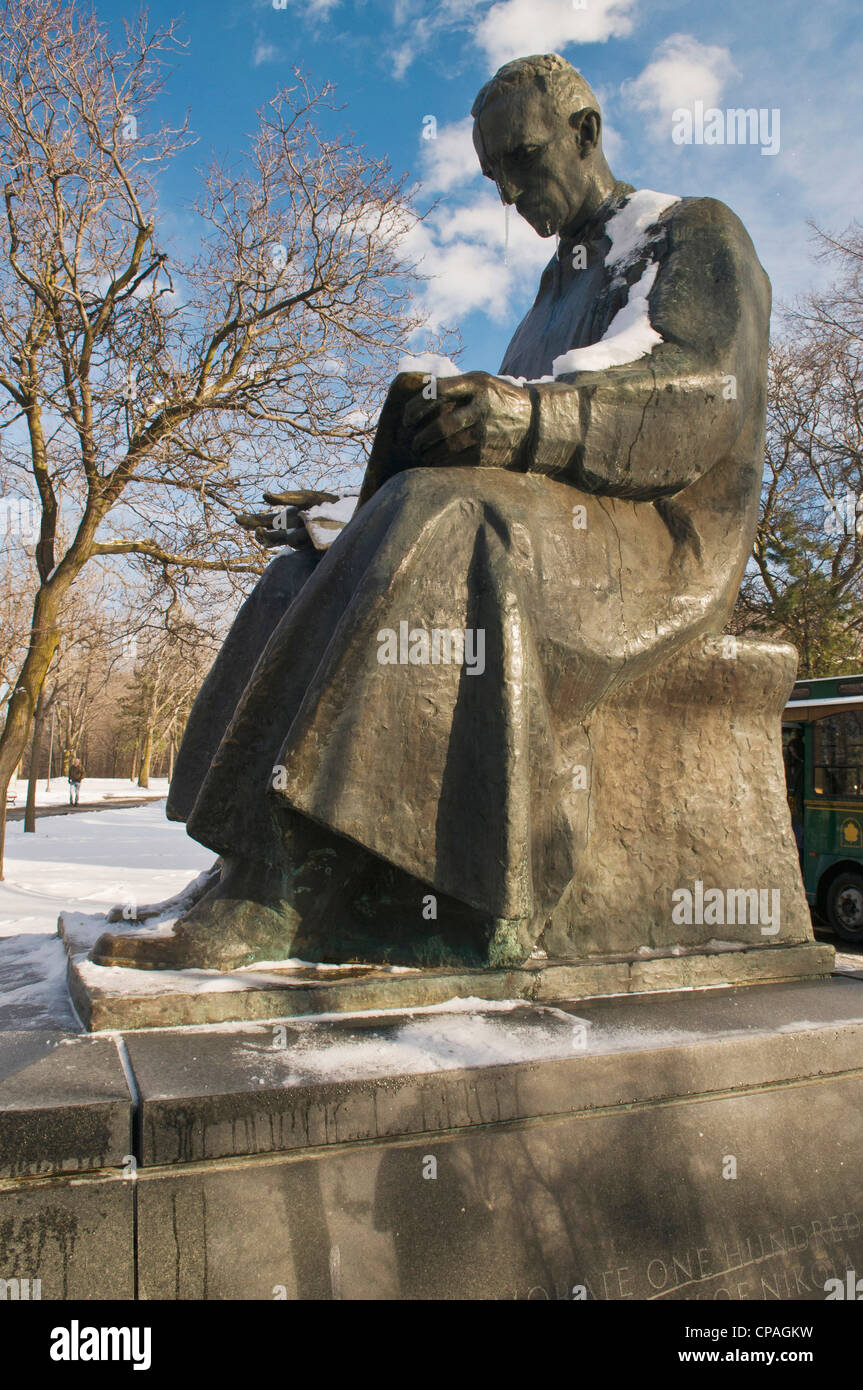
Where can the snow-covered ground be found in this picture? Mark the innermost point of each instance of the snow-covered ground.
(86, 863)
(89, 862)
(92, 789)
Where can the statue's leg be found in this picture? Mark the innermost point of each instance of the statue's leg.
(216, 701)
(229, 675)
(210, 716)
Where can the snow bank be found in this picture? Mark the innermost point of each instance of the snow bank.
(91, 861)
(82, 862)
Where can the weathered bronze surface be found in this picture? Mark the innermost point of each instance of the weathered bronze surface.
(588, 532)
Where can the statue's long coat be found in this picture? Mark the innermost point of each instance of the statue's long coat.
(470, 782)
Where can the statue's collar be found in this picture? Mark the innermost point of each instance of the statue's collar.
(591, 229)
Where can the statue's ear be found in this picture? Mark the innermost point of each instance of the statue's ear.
(587, 124)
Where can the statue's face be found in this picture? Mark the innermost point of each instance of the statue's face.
(533, 153)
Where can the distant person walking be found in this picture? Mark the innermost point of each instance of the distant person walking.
(76, 777)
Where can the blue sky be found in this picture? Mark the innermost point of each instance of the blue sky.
(396, 62)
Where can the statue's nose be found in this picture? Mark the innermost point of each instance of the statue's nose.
(507, 189)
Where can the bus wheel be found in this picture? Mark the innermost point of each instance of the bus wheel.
(844, 906)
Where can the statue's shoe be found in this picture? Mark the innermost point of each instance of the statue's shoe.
(180, 902)
(137, 952)
(253, 913)
(221, 934)
(228, 935)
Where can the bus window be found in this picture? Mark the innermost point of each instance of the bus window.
(838, 758)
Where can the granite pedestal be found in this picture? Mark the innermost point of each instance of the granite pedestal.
(700, 1144)
(116, 998)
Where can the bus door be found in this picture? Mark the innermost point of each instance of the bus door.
(833, 819)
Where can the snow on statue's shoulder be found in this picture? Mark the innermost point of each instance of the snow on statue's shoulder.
(630, 335)
(627, 228)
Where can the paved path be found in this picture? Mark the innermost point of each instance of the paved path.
(111, 804)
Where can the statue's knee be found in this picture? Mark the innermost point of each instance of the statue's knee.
(285, 576)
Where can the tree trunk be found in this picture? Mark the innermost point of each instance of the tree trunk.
(35, 748)
(22, 702)
(146, 758)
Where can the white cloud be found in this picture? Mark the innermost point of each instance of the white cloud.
(403, 56)
(312, 10)
(264, 53)
(450, 159)
(513, 28)
(681, 72)
(613, 143)
(425, 28)
(461, 251)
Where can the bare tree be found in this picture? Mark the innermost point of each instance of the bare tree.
(176, 639)
(92, 642)
(166, 681)
(148, 394)
(805, 579)
(16, 585)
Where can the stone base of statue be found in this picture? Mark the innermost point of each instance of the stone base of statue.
(694, 1145)
(111, 998)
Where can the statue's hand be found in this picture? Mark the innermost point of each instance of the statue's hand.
(284, 526)
(475, 420)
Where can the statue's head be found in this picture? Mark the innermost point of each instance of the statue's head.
(537, 133)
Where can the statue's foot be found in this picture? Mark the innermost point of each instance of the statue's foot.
(182, 901)
(245, 918)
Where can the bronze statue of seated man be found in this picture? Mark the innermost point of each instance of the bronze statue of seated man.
(393, 754)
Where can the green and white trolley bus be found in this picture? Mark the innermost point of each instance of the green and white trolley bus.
(822, 747)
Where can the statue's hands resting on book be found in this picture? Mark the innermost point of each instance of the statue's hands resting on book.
(474, 420)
